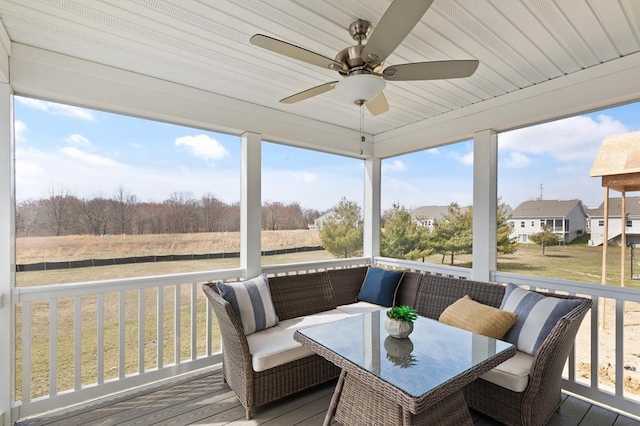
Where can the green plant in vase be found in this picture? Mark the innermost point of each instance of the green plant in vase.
(400, 321)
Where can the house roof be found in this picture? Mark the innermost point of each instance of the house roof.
(429, 212)
(615, 207)
(618, 162)
(530, 54)
(545, 208)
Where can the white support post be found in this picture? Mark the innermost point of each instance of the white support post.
(251, 204)
(7, 256)
(372, 173)
(485, 201)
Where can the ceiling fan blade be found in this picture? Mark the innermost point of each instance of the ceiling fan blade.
(378, 105)
(394, 26)
(309, 93)
(435, 70)
(295, 52)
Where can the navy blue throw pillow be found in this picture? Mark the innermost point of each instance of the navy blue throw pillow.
(380, 286)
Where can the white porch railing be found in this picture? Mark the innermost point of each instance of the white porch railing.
(590, 384)
(77, 342)
(184, 336)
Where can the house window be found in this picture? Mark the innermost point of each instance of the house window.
(629, 223)
(522, 224)
(601, 223)
(533, 223)
(523, 238)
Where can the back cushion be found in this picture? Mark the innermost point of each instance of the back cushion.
(437, 293)
(346, 283)
(297, 295)
(409, 287)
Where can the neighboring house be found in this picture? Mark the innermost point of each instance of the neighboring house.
(317, 224)
(632, 222)
(567, 218)
(427, 215)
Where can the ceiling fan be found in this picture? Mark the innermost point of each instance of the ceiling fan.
(362, 64)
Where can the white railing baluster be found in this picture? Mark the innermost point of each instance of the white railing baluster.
(194, 322)
(100, 337)
(77, 342)
(122, 320)
(208, 326)
(619, 347)
(26, 352)
(160, 327)
(176, 325)
(595, 338)
(141, 333)
(53, 347)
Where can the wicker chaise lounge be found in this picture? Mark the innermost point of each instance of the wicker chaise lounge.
(313, 293)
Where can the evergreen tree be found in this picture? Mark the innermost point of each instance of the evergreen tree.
(506, 245)
(545, 238)
(402, 237)
(453, 233)
(341, 233)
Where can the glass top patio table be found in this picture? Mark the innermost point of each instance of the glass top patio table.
(430, 357)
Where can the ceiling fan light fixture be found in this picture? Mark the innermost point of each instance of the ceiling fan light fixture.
(360, 87)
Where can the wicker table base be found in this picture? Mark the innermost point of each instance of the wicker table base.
(356, 404)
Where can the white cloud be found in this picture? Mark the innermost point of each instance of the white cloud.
(565, 140)
(466, 159)
(202, 146)
(57, 109)
(432, 151)
(517, 160)
(394, 166)
(87, 174)
(77, 139)
(89, 159)
(20, 130)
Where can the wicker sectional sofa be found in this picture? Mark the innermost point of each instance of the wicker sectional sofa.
(526, 390)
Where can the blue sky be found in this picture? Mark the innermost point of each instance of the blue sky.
(91, 153)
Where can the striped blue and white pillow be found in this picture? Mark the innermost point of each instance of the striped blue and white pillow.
(251, 301)
(536, 316)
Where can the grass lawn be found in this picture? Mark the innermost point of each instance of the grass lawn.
(574, 262)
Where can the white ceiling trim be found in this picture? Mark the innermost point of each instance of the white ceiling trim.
(608, 84)
(52, 76)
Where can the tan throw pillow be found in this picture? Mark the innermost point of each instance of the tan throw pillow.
(470, 315)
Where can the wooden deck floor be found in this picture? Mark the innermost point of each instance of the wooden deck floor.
(203, 399)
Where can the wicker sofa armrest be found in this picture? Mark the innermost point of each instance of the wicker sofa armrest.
(545, 380)
(236, 355)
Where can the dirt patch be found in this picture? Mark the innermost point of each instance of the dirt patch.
(607, 348)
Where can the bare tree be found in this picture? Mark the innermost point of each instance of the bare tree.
(211, 212)
(92, 215)
(271, 213)
(57, 203)
(181, 213)
(124, 209)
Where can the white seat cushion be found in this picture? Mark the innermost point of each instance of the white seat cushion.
(275, 346)
(360, 308)
(512, 374)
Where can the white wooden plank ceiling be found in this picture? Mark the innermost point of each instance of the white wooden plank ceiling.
(205, 44)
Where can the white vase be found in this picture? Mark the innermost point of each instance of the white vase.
(398, 329)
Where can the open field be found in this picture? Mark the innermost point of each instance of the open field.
(80, 247)
(573, 262)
